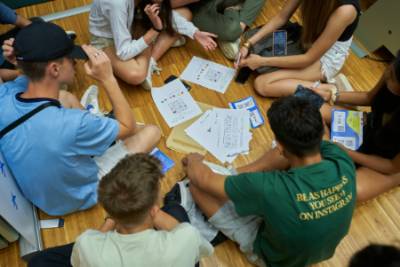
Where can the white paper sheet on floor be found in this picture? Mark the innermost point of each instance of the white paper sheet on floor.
(225, 133)
(209, 74)
(175, 103)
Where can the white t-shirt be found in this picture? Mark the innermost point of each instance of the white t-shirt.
(181, 247)
(113, 19)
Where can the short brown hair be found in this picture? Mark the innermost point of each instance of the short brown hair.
(131, 188)
(35, 71)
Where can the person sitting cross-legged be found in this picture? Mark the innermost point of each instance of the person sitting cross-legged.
(59, 154)
(292, 206)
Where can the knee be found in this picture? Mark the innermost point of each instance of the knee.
(136, 77)
(153, 133)
(185, 12)
(260, 86)
(231, 32)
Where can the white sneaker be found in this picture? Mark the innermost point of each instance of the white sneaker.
(229, 49)
(90, 100)
(196, 217)
(342, 83)
(181, 41)
(147, 84)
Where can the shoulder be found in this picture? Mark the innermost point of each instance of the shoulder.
(18, 85)
(89, 238)
(345, 12)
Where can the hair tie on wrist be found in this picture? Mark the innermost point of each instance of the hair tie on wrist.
(157, 30)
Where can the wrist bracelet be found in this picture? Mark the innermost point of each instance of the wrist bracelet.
(157, 30)
(334, 95)
(247, 44)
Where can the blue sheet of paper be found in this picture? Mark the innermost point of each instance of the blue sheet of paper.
(256, 119)
(166, 162)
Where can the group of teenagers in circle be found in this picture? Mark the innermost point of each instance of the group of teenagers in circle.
(291, 207)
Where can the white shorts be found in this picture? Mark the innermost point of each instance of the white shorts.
(110, 158)
(333, 60)
(242, 230)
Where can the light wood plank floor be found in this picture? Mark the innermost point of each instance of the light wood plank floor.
(375, 221)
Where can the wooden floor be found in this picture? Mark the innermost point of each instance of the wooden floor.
(376, 221)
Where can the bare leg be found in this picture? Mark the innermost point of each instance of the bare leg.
(69, 100)
(165, 41)
(132, 71)
(284, 82)
(208, 204)
(371, 183)
(144, 139)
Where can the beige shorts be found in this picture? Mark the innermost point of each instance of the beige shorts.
(110, 158)
(242, 230)
(101, 42)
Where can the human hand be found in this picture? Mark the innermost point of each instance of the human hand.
(153, 11)
(253, 61)
(243, 53)
(205, 39)
(325, 94)
(8, 51)
(189, 164)
(98, 66)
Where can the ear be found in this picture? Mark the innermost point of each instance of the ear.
(154, 210)
(53, 69)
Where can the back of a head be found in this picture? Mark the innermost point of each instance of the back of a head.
(297, 125)
(132, 187)
(376, 256)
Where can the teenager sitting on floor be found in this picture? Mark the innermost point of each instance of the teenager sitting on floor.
(327, 31)
(378, 158)
(292, 206)
(130, 194)
(134, 61)
(59, 154)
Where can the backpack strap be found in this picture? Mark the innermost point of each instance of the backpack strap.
(28, 115)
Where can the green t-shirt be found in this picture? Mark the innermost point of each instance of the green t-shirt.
(306, 211)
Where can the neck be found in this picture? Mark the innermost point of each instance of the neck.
(132, 229)
(296, 161)
(42, 89)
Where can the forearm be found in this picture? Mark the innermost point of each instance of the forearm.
(121, 108)
(289, 62)
(180, 3)
(150, 36)
(208, 181)
(376, 163)
(22, 22)
(271, 160)
(353, 98)
(164, 221)
(274, 24)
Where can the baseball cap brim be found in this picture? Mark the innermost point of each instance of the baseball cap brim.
(78, 53)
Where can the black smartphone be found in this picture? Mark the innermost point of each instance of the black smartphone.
(242, 75)
(310, 95)
(279, 41)
(173, 77)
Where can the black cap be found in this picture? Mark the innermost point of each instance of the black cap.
(45, 41)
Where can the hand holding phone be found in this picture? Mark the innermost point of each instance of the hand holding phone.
(237, 61)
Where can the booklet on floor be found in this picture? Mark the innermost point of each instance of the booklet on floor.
(347, 128)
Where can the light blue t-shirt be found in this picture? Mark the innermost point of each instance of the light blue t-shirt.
(51, 154)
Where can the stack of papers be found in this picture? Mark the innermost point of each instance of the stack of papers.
(175, 103)
(209, 74)
(225, 133)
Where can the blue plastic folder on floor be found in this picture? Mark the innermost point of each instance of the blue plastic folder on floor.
(166, 162)
(347, 128)
(256, 119)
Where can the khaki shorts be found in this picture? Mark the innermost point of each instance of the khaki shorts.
(110, 158)
(101, 42)
(242, 230)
